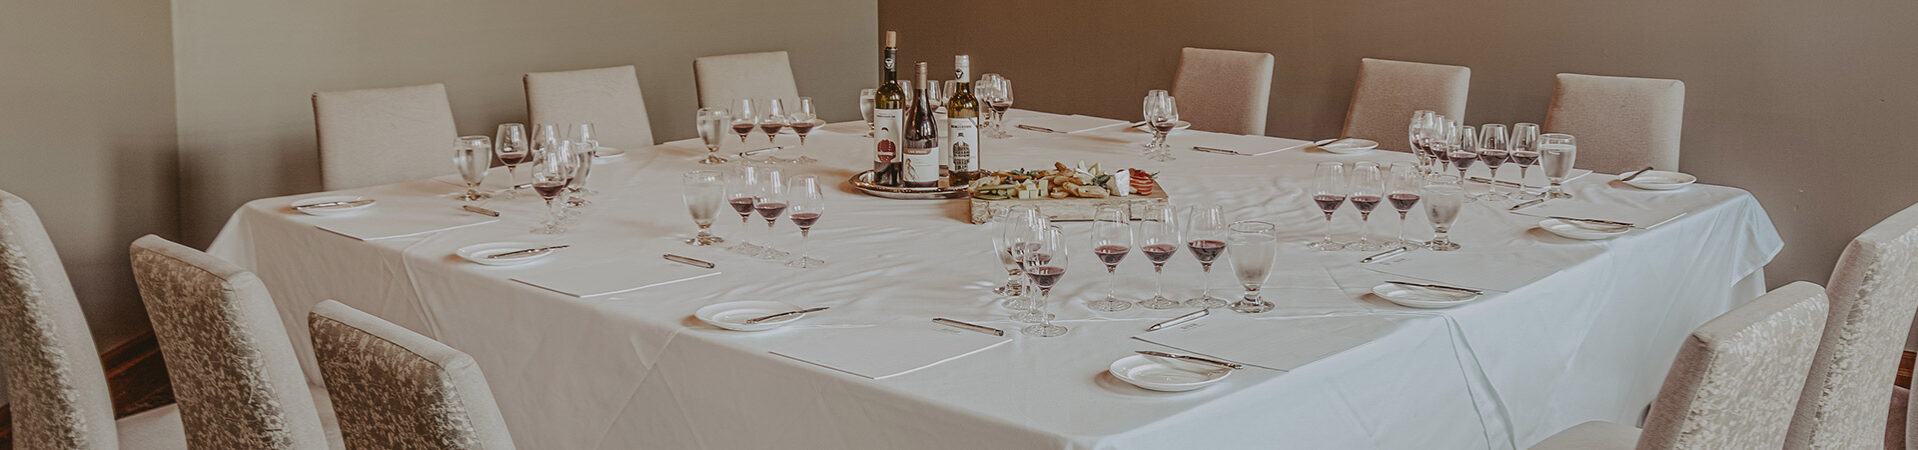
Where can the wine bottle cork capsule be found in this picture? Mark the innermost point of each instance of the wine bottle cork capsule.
(892, 39)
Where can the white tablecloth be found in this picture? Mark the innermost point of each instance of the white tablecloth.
(636, 370)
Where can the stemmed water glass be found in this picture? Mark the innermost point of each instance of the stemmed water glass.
(1494, 149)
(1407, 182)
(1368, 190)
(1111, 240)
(803, 122)
(807, 202)
(1003, 219)
(703, 189)
(1443, 198)
(472, 155)
(1524, 153)
(865, 109)
(1158, 237)
(1162, 114)
(585, 145)
(1254, 245)
(1329, 193)
(1045, 264)
(712, 124)
(774, 120)
(1205, 237)
(552, 169)
(1558, 151)
(744, 120)
(513, 150)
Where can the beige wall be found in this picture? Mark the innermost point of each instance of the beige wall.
(1807, 104)
(86, 136)
(247, 67)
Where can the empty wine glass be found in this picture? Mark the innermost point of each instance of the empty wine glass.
(1002, 218)
(1524, 153)
(1443, 198)
(774, 120)
(803, 121)
(513, 149)
(1407, 183)
(551, 171)
(581, 153)
(1493, 148)
(1205, 237)
(586, 145)
(1111, 240)
(712, 124)
(545, 139)
(1254, 245)
(807, 202)
(1045, 264)
(1368, 190)
(1557, 153)
(744, 119)
(865, 108)
(473, 155)
(1158, 238)
(1162, 114)
(703, 189)
(1329, 193)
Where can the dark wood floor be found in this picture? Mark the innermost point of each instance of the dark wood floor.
(136, 373)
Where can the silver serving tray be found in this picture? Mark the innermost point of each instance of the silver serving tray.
(863, 182)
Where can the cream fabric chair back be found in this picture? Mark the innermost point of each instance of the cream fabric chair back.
(746, 75)
(393, 388)
(1224, 91)
(1874, 293)
(1736, 379)
(233, 369)
(381, 136)
(59, 395)
(608, 98)
(1622, 124)
(1387, 92)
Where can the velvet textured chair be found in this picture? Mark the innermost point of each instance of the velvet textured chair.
(1387, 92)
(233, 369)
(59, 395)
(393, 388)
(1224, 91)
(1622, 124)
(1874, 293)
(381, 136)
(756, 76)
(1733, 385)
(608, 98)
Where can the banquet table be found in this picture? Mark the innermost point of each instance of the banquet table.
(1590, 338)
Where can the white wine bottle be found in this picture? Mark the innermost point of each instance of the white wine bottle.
(888, 118)
(921, 139)
(962, 119)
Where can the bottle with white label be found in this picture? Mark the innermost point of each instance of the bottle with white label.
(888, 118)
(921, 139)
(962, 119)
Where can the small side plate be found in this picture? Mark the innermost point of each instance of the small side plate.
(1660, 180)
(609, 153)
(478, 253)
(1571, 229)
(1346, 146)
(1416, 297)
(1150, 374)
(331, 210)
(733, 315)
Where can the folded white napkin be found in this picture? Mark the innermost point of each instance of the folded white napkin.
(884, 350)
(611, 277)
(1277, 344)
(376, 224)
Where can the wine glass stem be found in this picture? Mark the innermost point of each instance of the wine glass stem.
(1205, 280)
(1112, 281)
(1328, 228)
(1159, 290)
(1522, 172)
(1365, 226)
(1039, 306)
(1401, 235)
(552, 212)
(1494, 188)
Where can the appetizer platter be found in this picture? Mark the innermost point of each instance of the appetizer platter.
(1064, 193)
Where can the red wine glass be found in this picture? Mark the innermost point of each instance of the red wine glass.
(1045, 265)
(1205, 237)
(1111, 240)
(807, 202)
(1368, 191)
(1158, 238)
(1329, 193)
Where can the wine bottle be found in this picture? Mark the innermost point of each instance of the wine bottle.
(921, 141)
(888, 118)
(962, 119)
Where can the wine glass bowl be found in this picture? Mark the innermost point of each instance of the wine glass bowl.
(512, 148)
(1111, 241)
(1368, 191)
(1158, 239)
(1328, 194)
(807, 203)
(744, 119)
(1205, 237)
(1044, 265)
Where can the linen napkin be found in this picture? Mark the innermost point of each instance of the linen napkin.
(886, 350)
(1638, 217)
(1277, 344)
(375, 224)
(611, 277)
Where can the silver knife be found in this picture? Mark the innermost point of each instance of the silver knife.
(1218, 150)
(1438, 286)
(1197, 359)
(763, 150)
(784, 314)
(1173, 322)
(527, 251)
(1037, 128)
(688, 261)
(1603, 221)
(1526, 204)
(969, 326)
(480, 211)
(338, 204)
(1385, 254)
(1636, 174)
(1484, 180)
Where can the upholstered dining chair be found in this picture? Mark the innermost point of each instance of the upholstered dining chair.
(746, 75)
(1874, 293)
(1224, 91)
(233, 369)
(1622, 123)
(1733, 384)
(393, 388)
(607, 97)
(1387, 92)
(380, 136)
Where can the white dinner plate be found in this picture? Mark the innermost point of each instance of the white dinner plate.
(1346, 146)
(1584, 231)
(609, 153)
(733, 315)
(1151, 374)
(478, 253)
(1418, 297)
(1659, 180)
(1179, 126)
(297, 205)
